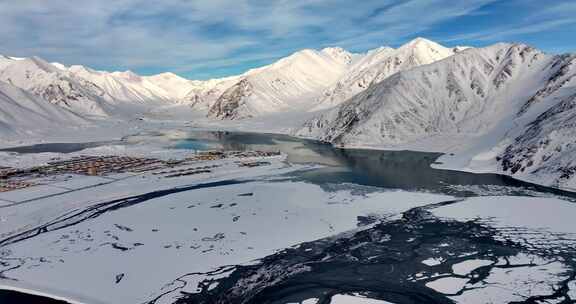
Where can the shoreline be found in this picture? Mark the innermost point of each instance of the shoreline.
(30, 289)
(182, 125)
(74, 299)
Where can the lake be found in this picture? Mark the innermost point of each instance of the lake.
(406, 170)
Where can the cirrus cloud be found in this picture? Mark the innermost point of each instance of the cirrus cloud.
(205, 38)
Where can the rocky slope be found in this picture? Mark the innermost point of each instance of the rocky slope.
(285, 85)
(203, 94)
(89, 92)
(545, 149)
(378, 64)
(172, 85)
(313, 80)
(22, 113)
(56, 86)
(507, 106)
(126, 87)
(328, 76)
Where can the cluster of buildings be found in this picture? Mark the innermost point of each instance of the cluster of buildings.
(18, 178)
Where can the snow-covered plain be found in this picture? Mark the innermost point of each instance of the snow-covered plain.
(127, 254)
(137, 253)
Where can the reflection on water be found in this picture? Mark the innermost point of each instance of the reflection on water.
(58, 147)
(407, 170)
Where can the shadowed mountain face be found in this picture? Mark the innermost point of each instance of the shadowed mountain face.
(506, 108)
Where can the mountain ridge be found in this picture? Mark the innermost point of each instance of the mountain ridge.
(507, 108)
(503, 107)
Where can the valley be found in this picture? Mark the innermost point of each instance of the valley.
(399, 175)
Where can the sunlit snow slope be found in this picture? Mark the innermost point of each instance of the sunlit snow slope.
(507, 107)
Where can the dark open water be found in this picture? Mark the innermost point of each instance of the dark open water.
(407, 170)
(15, 297)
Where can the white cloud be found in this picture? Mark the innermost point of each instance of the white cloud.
(553, 16)
(188, 35)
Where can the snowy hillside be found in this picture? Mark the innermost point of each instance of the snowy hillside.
(505, 108)
(546, 148)
(378, 64)
(173, 85)
(292, 84)
(22, 112)
(122, 86)
(56, 86)
(286, 85)
(203, 94)
(476, 100)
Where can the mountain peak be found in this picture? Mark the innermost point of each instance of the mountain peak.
(59, 65)
(338, 54)
(128, 75)
(168, 76)
(379, 50)
(334, 50)
(420, 42)
(41, 64)
(81, 69)
(11, 57)
(424, 50)
(460, 48)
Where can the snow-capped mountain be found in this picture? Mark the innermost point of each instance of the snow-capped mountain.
(285, 85)
(378, 64)
(174, 86)
(505, 108)
(90, 92)
(290, 84)
(23, 112)
(545, 149)
(56, 86)
(507, 103)
(453, 95)
(126, 87)
(7, 60)
(203, 94)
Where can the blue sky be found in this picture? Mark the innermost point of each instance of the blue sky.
(201, 39)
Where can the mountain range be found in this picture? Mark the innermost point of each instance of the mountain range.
(506, 108)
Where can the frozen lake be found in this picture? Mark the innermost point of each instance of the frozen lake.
(407, 170)
(353, 225)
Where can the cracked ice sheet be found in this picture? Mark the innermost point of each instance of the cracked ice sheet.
(193, 231)
(572, 292)
(464, 268)
(432, 261)
(447, 285)
(516, 284)
(543, 215)
(516, 211)
(348, 299)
